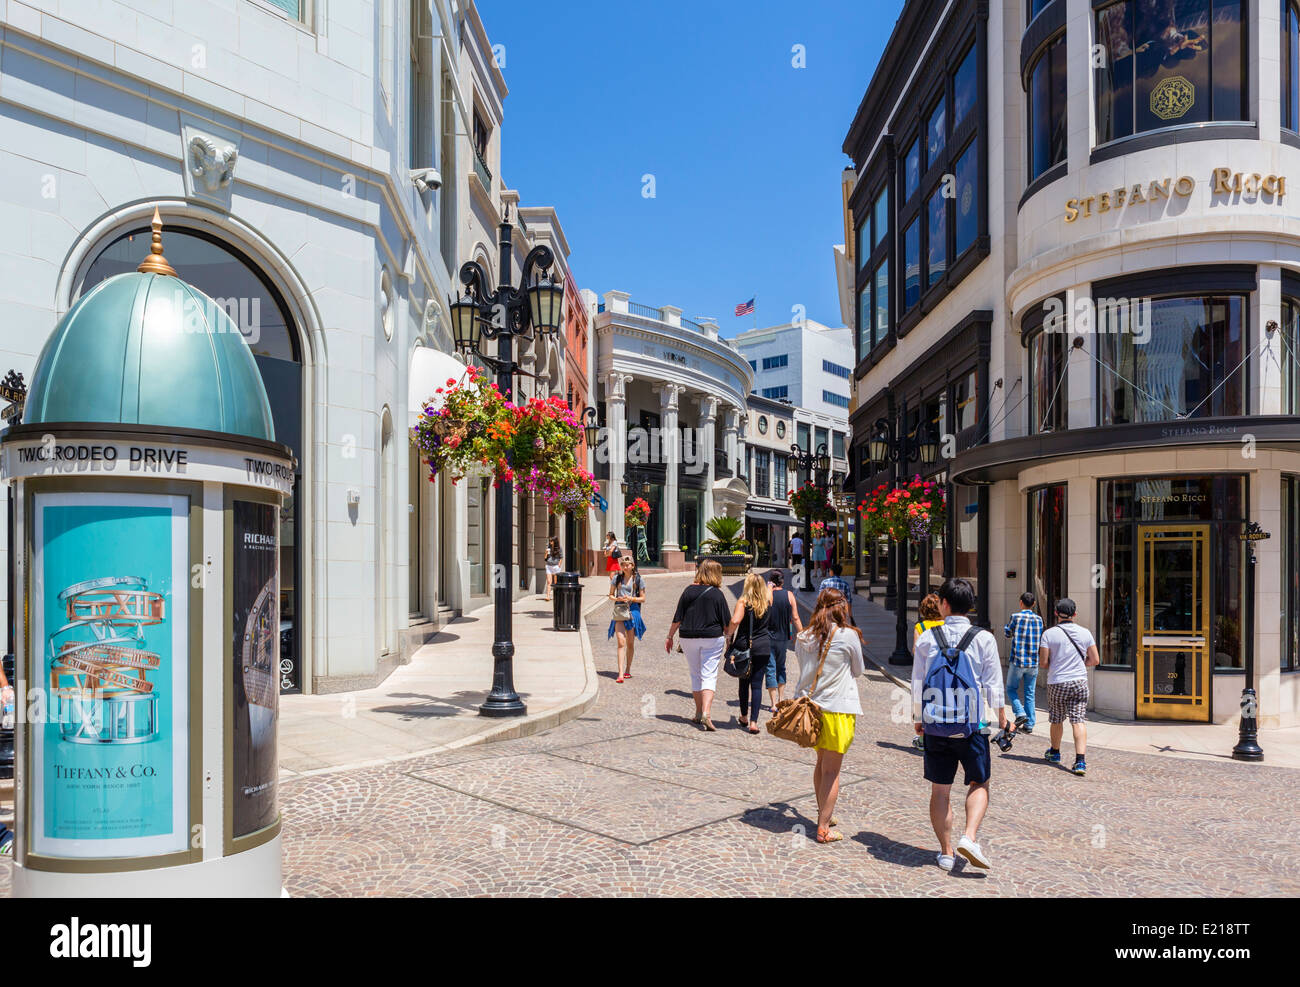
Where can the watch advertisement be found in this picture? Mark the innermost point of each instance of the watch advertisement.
(110, 578)
(255, 644)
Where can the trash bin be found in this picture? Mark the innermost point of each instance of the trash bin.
(568, 601)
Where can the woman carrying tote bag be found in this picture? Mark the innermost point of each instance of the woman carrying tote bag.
(830, 658)
(703, 616)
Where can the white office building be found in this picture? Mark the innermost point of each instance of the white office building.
(805, 363)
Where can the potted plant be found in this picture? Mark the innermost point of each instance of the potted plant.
(726, 547)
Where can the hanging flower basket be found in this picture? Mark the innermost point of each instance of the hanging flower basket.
(636, 514)
(916, 511)
(532, 444)
(811, 502)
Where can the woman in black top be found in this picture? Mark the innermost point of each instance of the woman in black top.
(785, 625)
(703, 615)
(750, 628)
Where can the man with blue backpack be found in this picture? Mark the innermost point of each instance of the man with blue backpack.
(956, 675)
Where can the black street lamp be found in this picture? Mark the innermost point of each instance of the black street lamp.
(536, 305)
(590, 427)
(1248, 748)
(818, 467)
(890, 444)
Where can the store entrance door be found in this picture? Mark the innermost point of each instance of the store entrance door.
(1173, 655)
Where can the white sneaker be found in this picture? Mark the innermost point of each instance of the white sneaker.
(969, 849)
(946, 862)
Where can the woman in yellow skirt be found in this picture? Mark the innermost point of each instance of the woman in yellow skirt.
(830, 658)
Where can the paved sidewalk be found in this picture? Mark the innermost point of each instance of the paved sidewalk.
(1197, 741)
(432, 703)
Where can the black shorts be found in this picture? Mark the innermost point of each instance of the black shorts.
(943, 754)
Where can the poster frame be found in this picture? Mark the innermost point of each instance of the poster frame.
(233, 844)
(32, 663)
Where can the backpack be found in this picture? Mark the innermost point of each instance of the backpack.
(951, 703)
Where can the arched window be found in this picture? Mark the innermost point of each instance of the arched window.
(1047, 108)
(257, 308)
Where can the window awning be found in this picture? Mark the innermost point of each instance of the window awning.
(771, 517)
(430, 370)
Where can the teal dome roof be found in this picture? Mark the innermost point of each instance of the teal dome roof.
(149, 349)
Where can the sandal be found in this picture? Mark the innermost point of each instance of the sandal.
(707, 726)
(753, 728)
(697, 718)
(826, 836)
(619, 680)
(743, 721)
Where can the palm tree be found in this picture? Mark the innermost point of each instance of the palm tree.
(726, 532)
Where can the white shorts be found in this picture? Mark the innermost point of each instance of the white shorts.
(553, 570)
(703, 655)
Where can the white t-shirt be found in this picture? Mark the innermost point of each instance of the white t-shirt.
(1064, 661)
(796, 545)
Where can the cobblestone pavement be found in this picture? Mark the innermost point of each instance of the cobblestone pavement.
(632, 799)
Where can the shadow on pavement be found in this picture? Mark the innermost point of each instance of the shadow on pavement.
(435, 706)
(779, 817)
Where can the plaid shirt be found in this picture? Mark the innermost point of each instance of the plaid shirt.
(1025, 628)
(839, 583)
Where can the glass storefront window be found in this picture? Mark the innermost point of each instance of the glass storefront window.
(1130, 508)
(912, 266)
(762, 460)
(1290, 535)
(1186, 361)
(1047, 547)
(935, 134)
(936, 237)
(1047, 109)
(912, 170)
(866, 321)
(1289, 356)
(965, 89)
(1291, 65)
(880, 217)
(1048, 395)
(965, 222)
(882, 302)
(1169, 63)
(963, 405)
(778, 478)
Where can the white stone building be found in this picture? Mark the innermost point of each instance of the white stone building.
(305, 159)
(671, 395)
(806, 363)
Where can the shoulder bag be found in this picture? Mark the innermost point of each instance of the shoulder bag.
(622, 608)
(800, 719)
(739, 661)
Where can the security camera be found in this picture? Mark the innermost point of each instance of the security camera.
(426, 178)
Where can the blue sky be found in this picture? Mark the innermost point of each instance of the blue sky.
(744, 148)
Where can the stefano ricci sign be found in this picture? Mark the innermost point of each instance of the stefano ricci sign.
(1250, 186)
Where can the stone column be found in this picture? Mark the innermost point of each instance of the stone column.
(671, 555)
(615, 450)
(704, 447)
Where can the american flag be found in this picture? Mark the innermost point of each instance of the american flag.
(745, 308)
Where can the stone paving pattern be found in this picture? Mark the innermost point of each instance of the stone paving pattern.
(630, 799)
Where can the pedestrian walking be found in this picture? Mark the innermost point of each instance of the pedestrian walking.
(830, 658)
(836, 581)
(1025, 628)
(928, 611)
(750, 631)
(816, 552)
(795, 546)
(554, 561)
(703, 617)
(956, 674)
(1067, 650)
(785, 624)
(627, 590)
(612, 553)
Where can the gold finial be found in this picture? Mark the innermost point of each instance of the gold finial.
(156, 263)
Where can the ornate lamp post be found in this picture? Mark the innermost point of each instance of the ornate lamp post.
(536, 305)
(1248, 748)
(890, 444)
(818, 467)
(590, 426)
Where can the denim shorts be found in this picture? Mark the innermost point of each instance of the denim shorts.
(943, 754)
(776, 664)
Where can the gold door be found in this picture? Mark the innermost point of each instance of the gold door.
(1173, 655)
